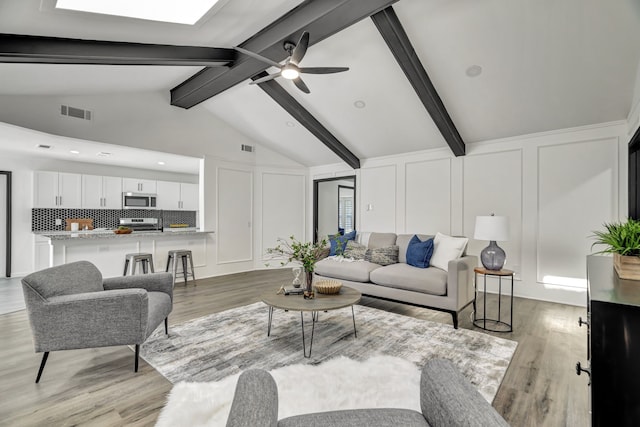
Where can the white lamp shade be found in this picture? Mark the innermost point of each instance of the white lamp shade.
(492, 228)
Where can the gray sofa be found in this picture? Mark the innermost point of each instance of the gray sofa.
(447, 399)
(71, 307)
(450, 291)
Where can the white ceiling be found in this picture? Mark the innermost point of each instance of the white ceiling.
(545, 65)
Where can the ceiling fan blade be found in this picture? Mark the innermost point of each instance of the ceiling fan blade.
(323, 70)
(265, 78)
(258, 57)
(300, 84)
(300, 49)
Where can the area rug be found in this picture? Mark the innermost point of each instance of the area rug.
(340, 383)
(213, 347)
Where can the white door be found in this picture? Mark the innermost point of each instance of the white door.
(70, 190)
(111, 192)
(189, 197)
(45, 192)
(91, 191)
(168, 195)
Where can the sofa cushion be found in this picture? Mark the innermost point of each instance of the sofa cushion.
(382, 256)
(336, 268)
(381, 240)
(403, 276)
(403, 243)
(447, 248)
(419, 252)
(355, 250)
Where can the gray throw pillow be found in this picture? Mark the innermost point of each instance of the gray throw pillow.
(382, 256)
(355, 250)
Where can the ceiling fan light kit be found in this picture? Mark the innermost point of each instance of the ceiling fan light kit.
(290, 70)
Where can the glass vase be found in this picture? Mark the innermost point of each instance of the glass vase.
(308, 289)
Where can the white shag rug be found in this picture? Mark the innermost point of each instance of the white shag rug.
(339, 383)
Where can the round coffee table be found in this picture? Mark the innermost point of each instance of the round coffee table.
(322, 302)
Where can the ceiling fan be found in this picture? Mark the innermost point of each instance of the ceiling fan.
(291, 69)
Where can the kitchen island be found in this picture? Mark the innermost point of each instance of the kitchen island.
(107, 250)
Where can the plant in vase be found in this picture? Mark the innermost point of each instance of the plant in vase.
(622, 239)
(304, 253)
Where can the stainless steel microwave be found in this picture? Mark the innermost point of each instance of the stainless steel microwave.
(138, 201)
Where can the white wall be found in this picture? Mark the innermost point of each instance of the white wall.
(555, 187)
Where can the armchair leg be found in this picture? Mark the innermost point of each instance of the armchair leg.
(135, 369)
(45, 356)
(454, 314)
(166, 326)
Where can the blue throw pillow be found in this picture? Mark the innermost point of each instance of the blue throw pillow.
(419, 252)
(339, 243)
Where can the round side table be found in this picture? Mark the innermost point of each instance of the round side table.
(486, 323)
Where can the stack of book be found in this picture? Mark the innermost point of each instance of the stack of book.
(290, 290)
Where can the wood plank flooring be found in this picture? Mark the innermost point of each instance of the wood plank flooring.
(97, 387)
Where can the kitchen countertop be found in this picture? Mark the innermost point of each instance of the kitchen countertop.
(109, 234)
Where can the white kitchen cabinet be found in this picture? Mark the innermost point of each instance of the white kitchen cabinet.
(57, 190)
(101, 192)
(177, 196)
(134, 185)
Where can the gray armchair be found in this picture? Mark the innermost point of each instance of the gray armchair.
(447, 399)
(71, 307)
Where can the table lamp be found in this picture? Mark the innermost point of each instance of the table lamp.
(492, 228)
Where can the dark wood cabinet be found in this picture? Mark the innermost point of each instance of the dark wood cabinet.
(613, 317)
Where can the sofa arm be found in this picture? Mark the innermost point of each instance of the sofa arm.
(154, 282)
(255, 402)
(447, 399)
(460, 279)
(92, 319)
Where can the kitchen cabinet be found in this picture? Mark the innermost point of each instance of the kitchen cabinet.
(101, 192)
(180, 196)
(134, 185)
(57, 190)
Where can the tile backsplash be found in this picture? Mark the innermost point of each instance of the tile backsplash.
(44, 219)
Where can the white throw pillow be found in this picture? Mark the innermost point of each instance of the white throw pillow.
(446, 248)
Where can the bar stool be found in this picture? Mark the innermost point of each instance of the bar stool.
(145, 259)
(183, 254)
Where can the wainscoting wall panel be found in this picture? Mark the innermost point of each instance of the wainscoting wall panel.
(378, 199)
(283, 208)
(493, 184)
(235, 215)
(428, 197)
(578, 191)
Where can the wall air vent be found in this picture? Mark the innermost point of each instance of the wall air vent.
(247, 148)
(78, 113)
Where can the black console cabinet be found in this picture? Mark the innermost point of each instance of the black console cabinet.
(613, 320)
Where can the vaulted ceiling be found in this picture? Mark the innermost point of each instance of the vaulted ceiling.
(544, 65)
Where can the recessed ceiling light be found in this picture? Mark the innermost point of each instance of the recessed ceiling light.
(359, 104)
(74, 151)
(290, 124)
(176, 11)
(474, 71)
(161, 163)
(103, 154)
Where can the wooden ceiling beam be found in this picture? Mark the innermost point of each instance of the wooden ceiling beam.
(396, 38)
(306, 119)
(320, 18)
(19, 48)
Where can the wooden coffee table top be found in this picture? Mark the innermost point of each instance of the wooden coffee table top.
(322, 302)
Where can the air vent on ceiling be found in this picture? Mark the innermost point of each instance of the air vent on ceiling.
(78, 113)
(43, 146)
(247, 148)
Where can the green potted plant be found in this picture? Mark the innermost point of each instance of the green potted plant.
(306, 254)
(622, 239)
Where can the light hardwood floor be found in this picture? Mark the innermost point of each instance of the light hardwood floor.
(97, 387)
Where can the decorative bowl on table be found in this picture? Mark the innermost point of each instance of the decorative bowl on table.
(123, 230)
(328, 286)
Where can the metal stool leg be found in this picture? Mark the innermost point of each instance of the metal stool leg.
(175, 268)
(193, 272)
(185, 271)
(168, 261)
(126, 266)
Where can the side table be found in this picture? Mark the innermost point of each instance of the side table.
(495, 325)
